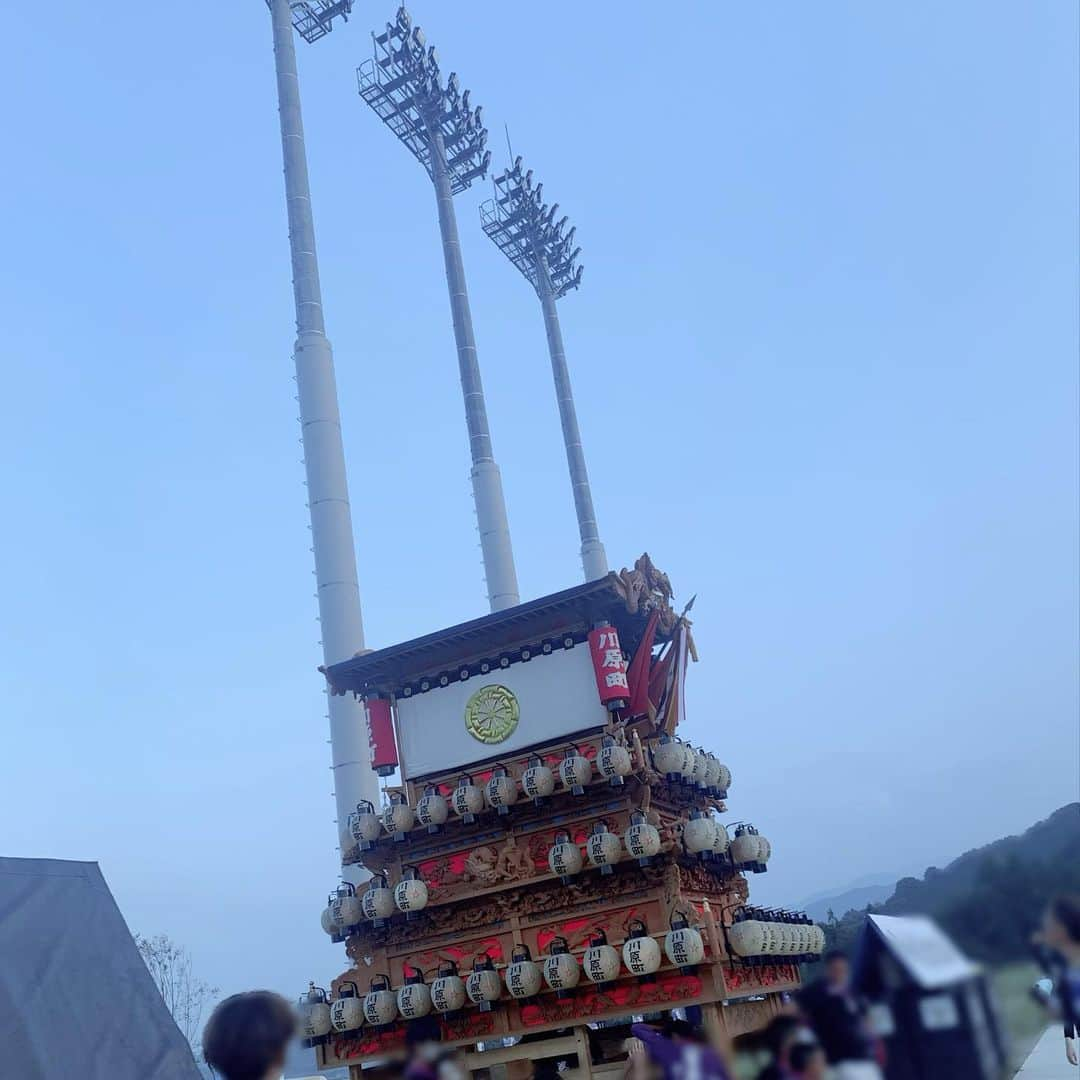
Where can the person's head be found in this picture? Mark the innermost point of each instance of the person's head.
(807, 1061)
(247, 1036)
(682, 1031)
(1061, 924)
(837, 968)
(779, 1034)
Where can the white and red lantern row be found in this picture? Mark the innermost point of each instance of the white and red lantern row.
(793, 939)
(346, 910)
(560, 971)
(467, 800)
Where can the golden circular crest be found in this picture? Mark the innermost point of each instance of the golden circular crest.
(491, 714)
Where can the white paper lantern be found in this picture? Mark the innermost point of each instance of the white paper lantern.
(712, 772)
(467, 800)
(343, 910)
(575, 771)
(380, 1003)
(523, 978)
(764, 851)
(642, 839)
(314, 1016)
(432, 810)
(414, 998)
(683, 945)
(723, 780)
(537, 781)
(378, 901)
(398, 817)
(483, 986)
(561, 969)
(500, 790)
(641, 952)
(601, 961)
(817, 941)
(699, 833)
(747, 938)
(365, 825)
(603, 847)
(744, 848)
(668, 756)
(721, 841)
(347, 1010)
(564, 858)
(701, 768)
(613, 761)
(411, 892)
(448, 990)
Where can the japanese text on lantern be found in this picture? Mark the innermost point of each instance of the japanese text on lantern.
(609, 665)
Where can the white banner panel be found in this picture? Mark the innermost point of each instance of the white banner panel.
(498, 714)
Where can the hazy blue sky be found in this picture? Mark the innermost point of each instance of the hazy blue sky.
(825, 361)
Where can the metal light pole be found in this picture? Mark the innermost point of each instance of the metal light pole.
(324, 456)
(403, 85)
(525, 230)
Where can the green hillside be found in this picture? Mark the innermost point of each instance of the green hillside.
(988, 900)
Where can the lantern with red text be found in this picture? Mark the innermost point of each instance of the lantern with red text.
(384, 759)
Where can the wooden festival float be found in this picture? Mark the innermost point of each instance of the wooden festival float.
(553, 855)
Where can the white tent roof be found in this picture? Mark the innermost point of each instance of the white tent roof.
(76, 998)
(923, 950)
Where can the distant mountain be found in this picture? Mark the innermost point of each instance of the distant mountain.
(853, 899)
(989, 899)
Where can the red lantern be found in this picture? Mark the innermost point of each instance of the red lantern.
(609, 666)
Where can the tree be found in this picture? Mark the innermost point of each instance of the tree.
(185, 996)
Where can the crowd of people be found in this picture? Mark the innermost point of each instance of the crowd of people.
(821, 1033)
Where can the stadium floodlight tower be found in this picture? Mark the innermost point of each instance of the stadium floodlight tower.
(526, 231)
(403, 85)
(320, 422)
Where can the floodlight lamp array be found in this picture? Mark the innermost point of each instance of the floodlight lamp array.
(403, 85)
(313, 19)
(530, 233)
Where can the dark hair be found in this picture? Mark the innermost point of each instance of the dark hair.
(1066, 910)
(801, 1054)
(834, 954)
(682, 1029)
(776, 1033)
(247, 1034)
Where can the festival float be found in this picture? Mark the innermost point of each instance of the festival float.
(554, 855)
(547, 857)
